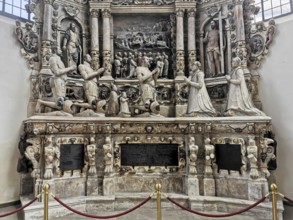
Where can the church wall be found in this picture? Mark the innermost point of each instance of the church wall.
(275, 88)
(276, 94)
(14, 93)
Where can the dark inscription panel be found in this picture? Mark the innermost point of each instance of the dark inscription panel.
(228, 156)
(149, 154)
(71, 156)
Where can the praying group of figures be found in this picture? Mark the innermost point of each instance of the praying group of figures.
(125, 65)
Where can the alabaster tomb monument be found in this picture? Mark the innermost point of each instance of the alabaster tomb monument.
(126, 94)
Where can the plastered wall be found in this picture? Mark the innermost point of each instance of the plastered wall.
(14, 96)
(276, 92)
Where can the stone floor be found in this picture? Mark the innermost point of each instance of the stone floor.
(148, 214)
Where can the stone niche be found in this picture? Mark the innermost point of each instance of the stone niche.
(112, 112)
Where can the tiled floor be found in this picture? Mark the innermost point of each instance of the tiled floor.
(148, 214)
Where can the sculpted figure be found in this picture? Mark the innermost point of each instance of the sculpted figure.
(146, 80)
(166, 66)
(59, 71)
(108, 157)
(131, 66)
(124, 108)
(91, 157)
(148, 90)
(90, 80)
(118, 65)
(212, 39)
(58, 85)
(33, 154)
(199, 103)
(193, 149)
(252, 157)
(113, 103)
(52, 158)
(239, 101)
(71, 44)
(209, 156)
(267, 154)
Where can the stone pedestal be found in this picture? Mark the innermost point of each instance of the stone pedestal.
(92, 186)
(192, 186)
(108, 186)
(209, 188)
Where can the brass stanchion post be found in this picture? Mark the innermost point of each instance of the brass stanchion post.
(46, 188)
(158, 188)
(274, 189)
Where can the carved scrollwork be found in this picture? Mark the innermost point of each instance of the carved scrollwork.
(133, 93)
(71, 11)
(27, 37)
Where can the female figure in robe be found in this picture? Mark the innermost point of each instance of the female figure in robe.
(199, 103)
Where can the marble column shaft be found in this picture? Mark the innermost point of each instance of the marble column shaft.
(180, 63)
(191, 36)
(107, 44)
(95, 39)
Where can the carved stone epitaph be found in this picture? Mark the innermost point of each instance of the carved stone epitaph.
(126, 94)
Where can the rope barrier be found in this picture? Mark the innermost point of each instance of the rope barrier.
(219, 215)
(20, 208)
(102, 217)
(290, 200)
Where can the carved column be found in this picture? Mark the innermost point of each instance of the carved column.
(46, 36)
(240, 32)
(191, 35)
(180, 66)
(107, 44)
(95, 39)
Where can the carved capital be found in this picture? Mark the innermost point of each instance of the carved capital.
(180, 12)
(191, 12)
(94, 13)
(106, 13)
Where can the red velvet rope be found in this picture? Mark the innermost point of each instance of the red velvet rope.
(102, 217)
(218, 215)
(290, 200)
(19, 209)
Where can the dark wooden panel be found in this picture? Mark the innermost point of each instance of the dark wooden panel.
(149, 154)
(71, 156)
(228, 156)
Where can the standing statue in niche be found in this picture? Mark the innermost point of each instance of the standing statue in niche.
(71, 45)
(199, 103)
(212, 40)
(239, 101)
(58, 84)
(193, 149)
(50, 157)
